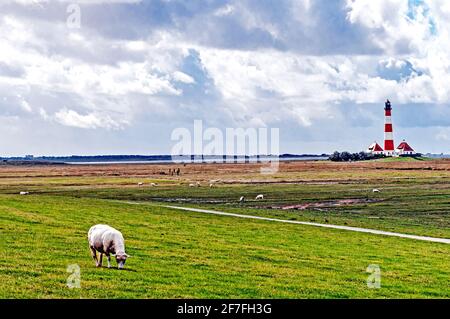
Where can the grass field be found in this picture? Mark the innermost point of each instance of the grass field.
(182, 254)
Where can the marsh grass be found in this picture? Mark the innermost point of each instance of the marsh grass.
(190, 255)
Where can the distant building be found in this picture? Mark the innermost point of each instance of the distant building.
(405, 149)
(389, 148)
(375, 148)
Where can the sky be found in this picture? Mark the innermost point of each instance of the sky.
(130, 72)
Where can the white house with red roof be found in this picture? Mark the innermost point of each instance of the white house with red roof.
(375, 148)
(405, 149)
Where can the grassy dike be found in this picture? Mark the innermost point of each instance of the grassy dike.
(180, 254)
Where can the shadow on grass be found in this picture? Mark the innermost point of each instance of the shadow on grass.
(117, 269)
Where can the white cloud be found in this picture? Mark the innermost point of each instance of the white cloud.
(94, 85)
(25, 106)
(183, 77)
(43, 113)
(225, 10)
(88, 121)
(389, 25)
(443, 135)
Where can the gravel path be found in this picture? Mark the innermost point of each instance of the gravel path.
(355, 229)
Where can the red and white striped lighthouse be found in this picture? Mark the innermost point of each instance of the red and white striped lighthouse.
(389, 148)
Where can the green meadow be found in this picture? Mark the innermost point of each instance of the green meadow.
(178, 254)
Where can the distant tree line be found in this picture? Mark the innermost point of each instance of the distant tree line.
(347, 156)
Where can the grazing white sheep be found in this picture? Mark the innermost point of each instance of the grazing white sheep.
(376, 190)
(24, 193)
(198, 184)
(211, 185)
(242, 199)
(109, 241)
(140, 184)
(153, 184)
(259, 197)
(191, 185)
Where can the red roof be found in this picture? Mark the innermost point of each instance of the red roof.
(405, 147)
(375, 147)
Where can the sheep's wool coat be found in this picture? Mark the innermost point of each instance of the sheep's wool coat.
(106, 239)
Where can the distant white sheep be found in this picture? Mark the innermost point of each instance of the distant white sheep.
(153, 184)
(211, 185)
(259, 197)
(109, 241)
(195, 185)
(376, 190)
(140, 184)
(24, 193)
(242, 199)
